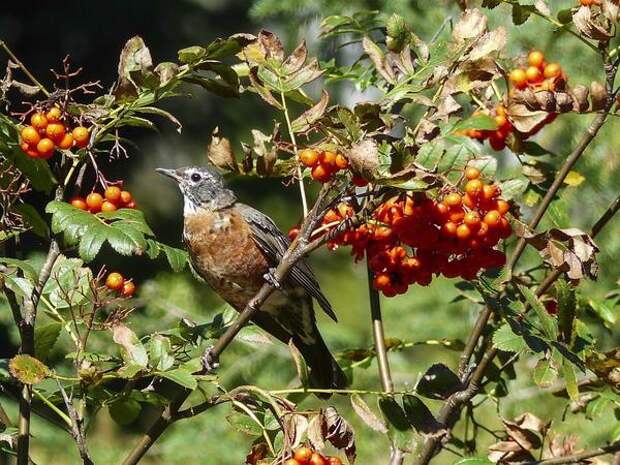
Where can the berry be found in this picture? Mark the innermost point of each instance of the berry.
(30, 136)
(81, 136)
(107, 206)
(115, 281)
(533, 74)
(293, 233)
(45, 147)
(309, 157)
(518, 78)
(489, 191)
(317, 459)
(552, 70)
(303, 454)
(94, 202)
(359, 181)
(292, 462)
(472, 219)
(55, 131)
(131, 204)
(382, 280)
(113, 194)
(497, 143)
(79, 202)
(474, 187)
(463, 232)
(453, 200)
(38, 121)
(472, 173)
(492, 218)
(320, 173)
(334, 461)
(502, 206)
(552, 307)
(341, 162)
(449, 229)
(126, 197)
(66, 142)
(53, 115)
(536, 58)
(501, 121)
(129, 288)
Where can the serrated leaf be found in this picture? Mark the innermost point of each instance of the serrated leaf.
(191, 54)
(244, 424)
(91, 242)
(548, 323)
(505, 339)
(181, 377)
(45, 336)
(513, 188)
(366, 414)
(419, 416)
(544, 374)
(438, 382)
(570, 378)
(27, 369)
(481, 122)
(399, 430)
(159, 350)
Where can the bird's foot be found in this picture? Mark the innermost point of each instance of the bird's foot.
(271, 279)
(209, 361)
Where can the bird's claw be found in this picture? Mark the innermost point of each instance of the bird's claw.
(209, 361)
(271, 279)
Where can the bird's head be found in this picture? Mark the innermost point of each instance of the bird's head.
(201, 187)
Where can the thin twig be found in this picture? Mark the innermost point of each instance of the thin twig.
(25, 70)
(577, 458)
(77, 430)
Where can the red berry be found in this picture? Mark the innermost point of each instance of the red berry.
(115, 281)
(79, 202)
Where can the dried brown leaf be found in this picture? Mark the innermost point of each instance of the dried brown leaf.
(220, 152)
(338, 431)
(270, 45)
(589, 26)
(472, 24)
(296, 59)
(524, 119)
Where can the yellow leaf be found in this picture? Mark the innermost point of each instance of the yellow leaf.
(573, 178)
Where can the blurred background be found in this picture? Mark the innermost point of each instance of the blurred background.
(93, 33)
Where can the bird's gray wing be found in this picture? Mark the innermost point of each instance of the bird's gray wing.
(273, 243)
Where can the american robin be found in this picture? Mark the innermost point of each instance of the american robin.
(234, 248)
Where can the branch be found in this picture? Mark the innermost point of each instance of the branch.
(77, 430)
(577, 458)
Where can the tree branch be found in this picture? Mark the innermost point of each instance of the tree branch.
(77, 431)
(577, 458)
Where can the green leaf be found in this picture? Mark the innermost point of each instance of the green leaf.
(544, 374)
(125, 411)
(399, 431)
(91, 242)
(28, 270)
(159, 349)
(481, 122)
(32, 217)
(548, 323)
(571, 380)
(244, 424)
(566, 310)
(45, 337)
(505, 339)
(181, 377)
(69, 284)
(513, 188)
(419, 416)
(192, 54)
(438, 382)
(177, 258)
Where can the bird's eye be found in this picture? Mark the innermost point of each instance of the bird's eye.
(195, 177)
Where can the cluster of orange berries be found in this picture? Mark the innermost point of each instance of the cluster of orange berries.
(589, 2)
(112, 199)
(325, 163)
(116, 282)
(497, 137)
(539, 74)
(46, 132)
(412, 237)
(306, 456)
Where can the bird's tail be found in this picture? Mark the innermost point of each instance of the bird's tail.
(324, 371)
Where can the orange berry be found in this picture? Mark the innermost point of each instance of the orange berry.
(536, 58)
(482, 230)
(328, 158)
(94, 202)
(469, 201)
(502, 206)
(456, 215)
(126, 197)
(334, 461)
(453, 199)
(341, 162)
(113, 194)
(45, 147)
(38, 120)
(552, 70)
(474, 187)
(309, 157)
(81, 136)
(472, 173)
(463, 232)
(67, 142)
(533, 74)
(292, 462)
(28, 150)
(472, 219)
(320, 173)
(107, 206)
(30, 136)
(115, 281)
(449, 229)
(128, 289)
(317, 459)
(500, 110)
(492, 218)
(53, 115)
(131, 204)
(55, 131)
(501, 121)
(382, 280)
(303, 454)
(79, 202)
(489, 191)
(518, 78)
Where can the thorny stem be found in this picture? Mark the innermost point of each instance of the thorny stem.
(291, 133)
(450, 412)
(25, 70)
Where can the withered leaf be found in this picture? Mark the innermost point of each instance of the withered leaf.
(589, 26)
(257, 453)
(598, 95)
(166, 71)
(471, 24)
(296, 59)
(491, 42)
(220, 152)
(271, 45)
(134, 65)
(523, 119)
(337, 430)
(367, 415)
(315, 433)
(378, 59)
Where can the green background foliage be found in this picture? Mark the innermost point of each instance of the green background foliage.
(93, 35)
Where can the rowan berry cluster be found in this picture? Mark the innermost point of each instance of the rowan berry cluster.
(497, 137)
(47, 132)
(116, 282)
(325, 163)
(412, 237)
(112, 199)
(307, 456)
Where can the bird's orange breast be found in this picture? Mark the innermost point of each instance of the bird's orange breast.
(223, 252)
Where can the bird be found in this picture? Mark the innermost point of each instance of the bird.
(235, 248)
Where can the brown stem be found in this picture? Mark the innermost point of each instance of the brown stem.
(77, 430)
(578, 458)
(25, 70)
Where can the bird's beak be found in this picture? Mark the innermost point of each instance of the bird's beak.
(170, 173)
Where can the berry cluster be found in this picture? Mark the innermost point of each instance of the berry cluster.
(306, 456)
(116, 282)
(410, 237)
(589, 2)
(46, 132)
(112, 199)
(497, 137)
(324, 164)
